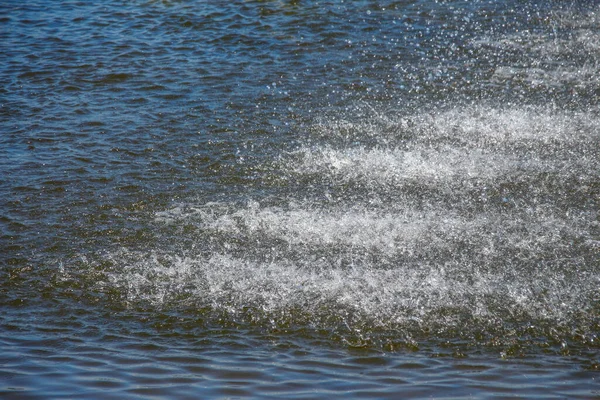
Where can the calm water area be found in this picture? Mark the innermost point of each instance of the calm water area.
(299, 199)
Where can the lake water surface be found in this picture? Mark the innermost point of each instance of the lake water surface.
(299, 199)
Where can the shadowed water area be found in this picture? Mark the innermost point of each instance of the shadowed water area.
(294, 199)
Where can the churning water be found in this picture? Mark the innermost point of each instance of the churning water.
(299, 199)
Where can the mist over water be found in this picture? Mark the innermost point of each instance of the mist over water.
(185, 184)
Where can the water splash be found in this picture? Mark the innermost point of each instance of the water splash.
(492, 230)
(462, 221)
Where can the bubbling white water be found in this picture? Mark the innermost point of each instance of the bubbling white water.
(517, 246)
(460, 221)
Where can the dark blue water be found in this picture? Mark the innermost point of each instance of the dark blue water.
(293, 199)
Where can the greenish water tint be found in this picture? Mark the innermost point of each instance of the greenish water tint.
(299, 199)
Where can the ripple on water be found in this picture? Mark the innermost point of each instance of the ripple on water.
(290, 200)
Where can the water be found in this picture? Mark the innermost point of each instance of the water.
(299, 199)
